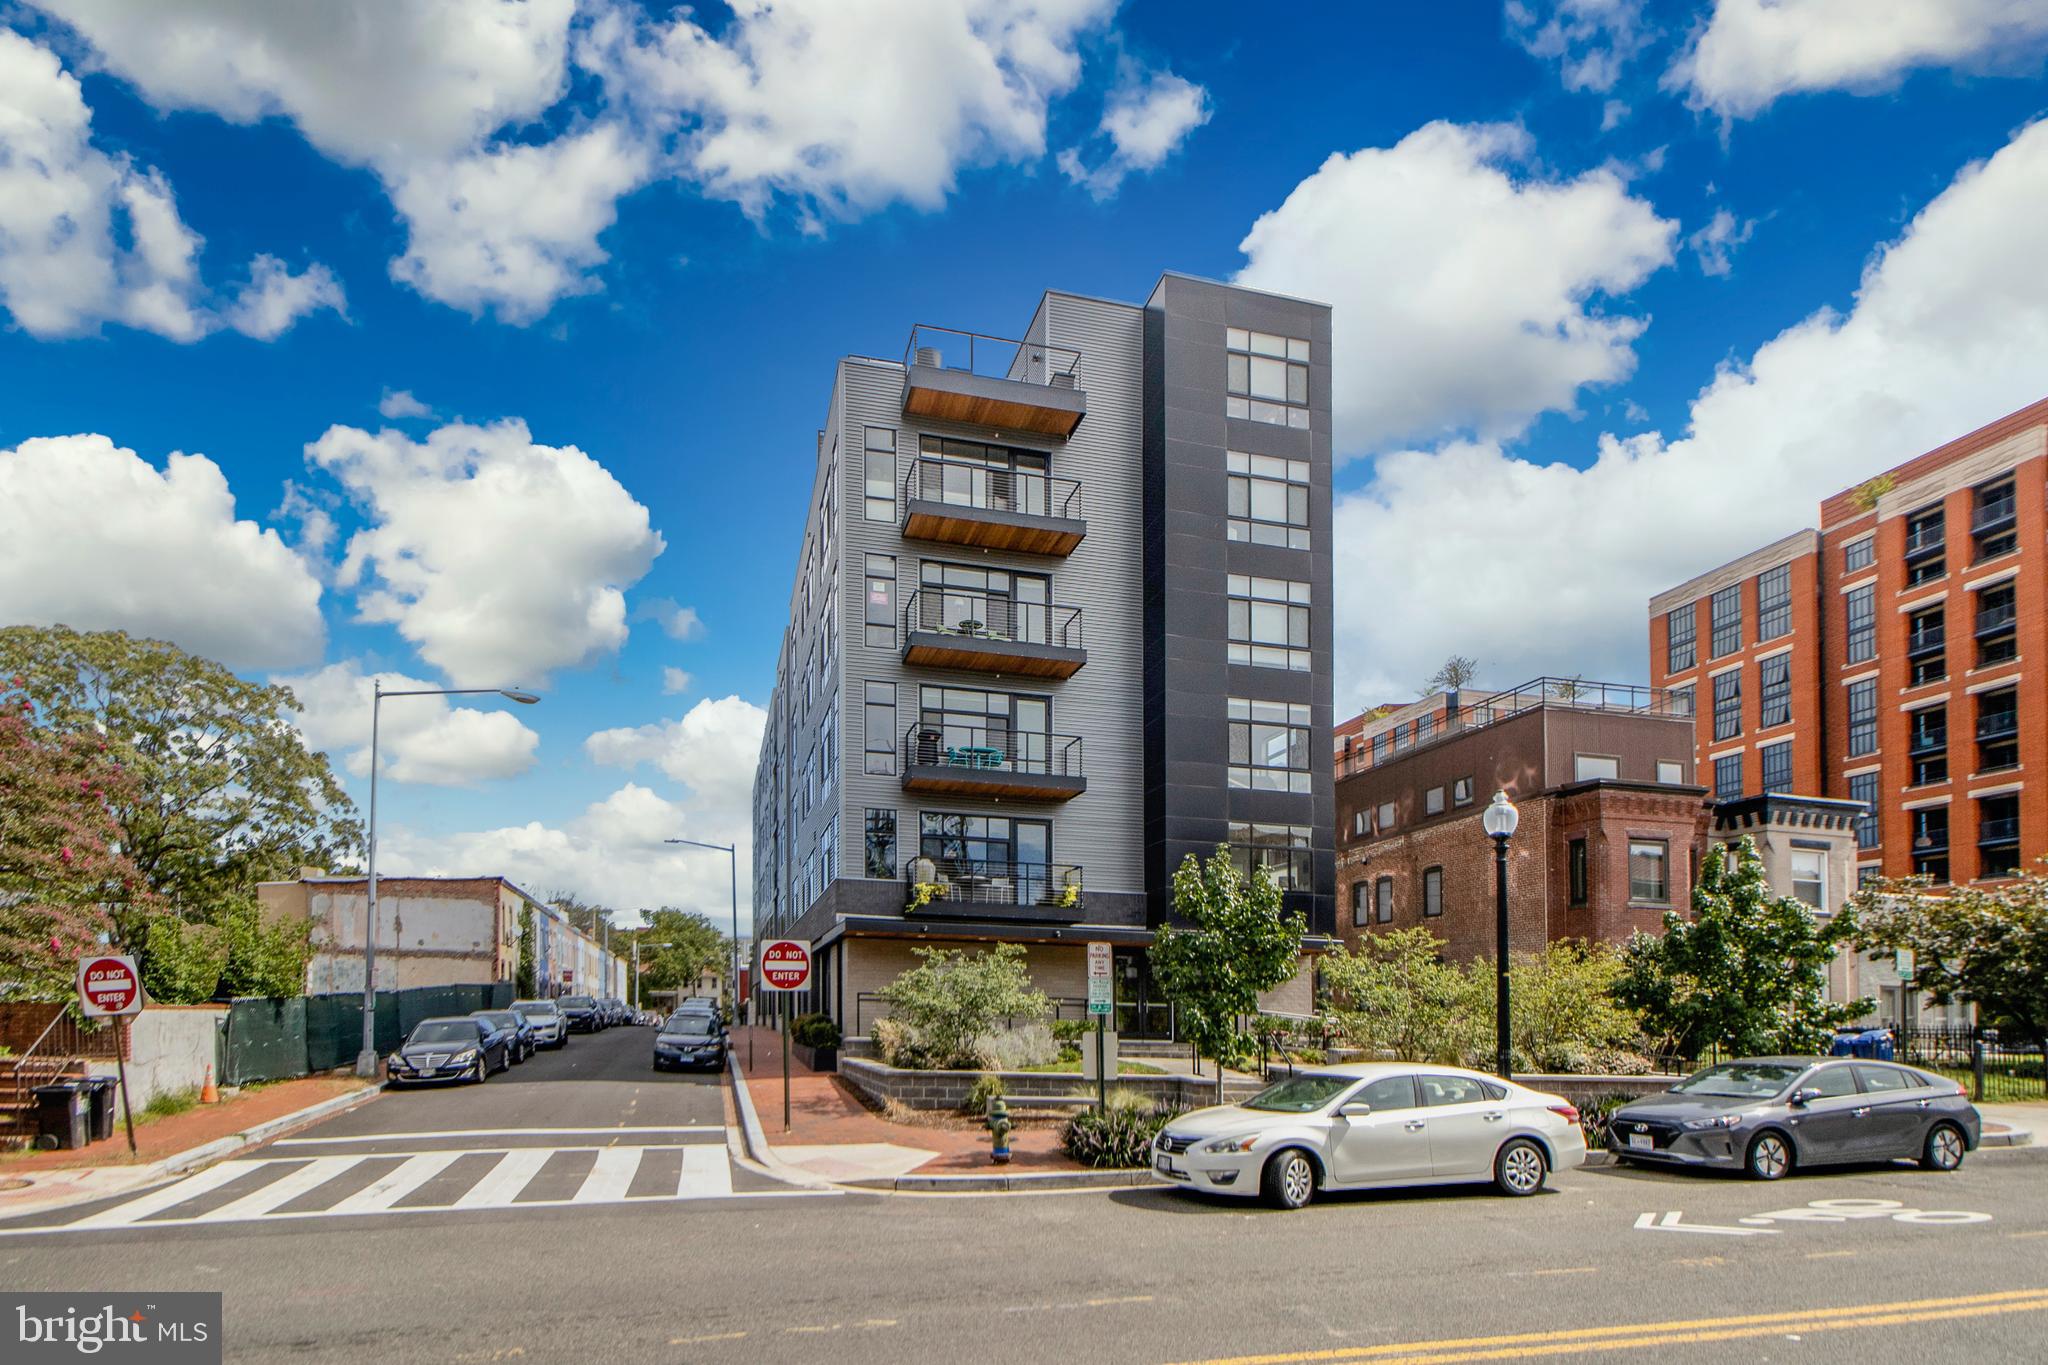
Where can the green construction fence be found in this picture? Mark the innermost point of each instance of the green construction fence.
(271, 1039)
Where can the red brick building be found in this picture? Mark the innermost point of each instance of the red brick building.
(1612, 823)
(1882, 658)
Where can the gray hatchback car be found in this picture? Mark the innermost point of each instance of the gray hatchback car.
(1770, 1115)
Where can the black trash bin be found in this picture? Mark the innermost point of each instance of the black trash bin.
(61, 1115)
(99, 1096)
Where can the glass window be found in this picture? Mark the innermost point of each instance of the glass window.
(1998, 730)
(1575, 862)
(968, 599)
(880, 480)
(1998, 836)
(1995, 626)
(880, 616)
(1863, 787)
(1268, 500)
(1433, 801)
(1387, 1093)
(1300, 1094)
(1859, 554)
(881, 843)
(1670, 772)
(1679, 652)
(1282, 850)
(1266, 377)
(1927, 745)
(1863, 717)
(1591, 767)
(1728, 777)
(1438, 1090)
(1727, 620)
(1926, 647)
(972, 474)
(1647, 880)
(1461, 792)
(1360, 913)
(1994, 524)
(1268, 622)
(1432, 891)
(1860, 608)
(1930, 842)
(1774, 691)
(1833, 1082)
(1682, 701)
(1774, 603)
(1776, 762)
(1926, 547)
(1383, 896)
(1810, 877)
(1386, 817)
(1878, 1079)
(879, 724)
(1728, 704)
(1269, 748)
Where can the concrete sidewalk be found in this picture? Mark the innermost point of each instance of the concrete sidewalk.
(2013, 1125)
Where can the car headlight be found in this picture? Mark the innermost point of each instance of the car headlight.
(1236, 1144)
(468, 1054)
(397, 1063)
(1724, 1121)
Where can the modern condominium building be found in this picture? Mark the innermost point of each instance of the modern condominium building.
(1883, 659)
(1062, 617)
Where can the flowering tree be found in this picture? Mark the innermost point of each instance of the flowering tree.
(1986, 945)
(63, 873)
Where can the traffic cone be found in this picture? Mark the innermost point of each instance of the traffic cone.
(209, 1093)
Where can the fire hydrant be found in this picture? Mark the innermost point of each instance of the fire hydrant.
(999, 1126)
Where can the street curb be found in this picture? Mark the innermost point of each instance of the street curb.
(754, 1139)
(1022, 1182)
(2013, 1136)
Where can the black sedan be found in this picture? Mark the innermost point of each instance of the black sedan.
(688, 1040)
(583, 1013)
(1770, 1115)
(459, 1048)
(524, 1041)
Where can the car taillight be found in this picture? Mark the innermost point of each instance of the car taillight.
(1564, 1111)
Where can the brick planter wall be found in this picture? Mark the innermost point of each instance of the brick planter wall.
(1583, 1090)
(948, 1089)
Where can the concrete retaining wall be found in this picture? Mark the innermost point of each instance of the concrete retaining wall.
(170, 1048)
(1583, 1090)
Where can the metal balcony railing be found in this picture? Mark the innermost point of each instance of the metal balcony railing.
(949, 348)
(986, 616)
(1928, 741)
(2005, 830)
(1460, 714)
(1930, 641)
(984, 749)
(982, 881)
(1996, 617)
(1998, 725)
(965, 483)
(1995, 513)
(1925, 542)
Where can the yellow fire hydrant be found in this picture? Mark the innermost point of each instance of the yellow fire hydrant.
(999, 1126)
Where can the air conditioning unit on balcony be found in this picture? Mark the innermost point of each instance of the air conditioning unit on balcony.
(1063, 380)
(928, 355)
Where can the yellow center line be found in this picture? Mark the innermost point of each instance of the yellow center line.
(1651, 1333)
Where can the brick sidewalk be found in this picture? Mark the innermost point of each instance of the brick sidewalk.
(825, 1112)
(156, 1139)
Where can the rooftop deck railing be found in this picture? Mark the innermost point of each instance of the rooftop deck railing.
(1029, 362)
(1460, 716)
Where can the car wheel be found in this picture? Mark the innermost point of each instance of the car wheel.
(1945, 1148)
(483, 1068)
(1770, 1157)
(1290, 1179)
(1519, 1168)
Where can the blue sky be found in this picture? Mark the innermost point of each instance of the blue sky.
(1622, 289)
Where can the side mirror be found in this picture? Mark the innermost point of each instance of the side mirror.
(1355, 1109)
(1804, 1096)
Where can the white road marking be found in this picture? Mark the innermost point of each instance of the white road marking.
(707, 1174)
(278, 1193)
(609, 1177)
(1674, 1222)
(396, 1184)
(506, 1179)
(192, 1186)
(490, 1133)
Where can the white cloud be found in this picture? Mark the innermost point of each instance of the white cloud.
(846, 106)
(95, 537)
(398, 404)
(1591, 41)
(1549, 568)
(88, 237)
(1715, 243)
(421, 739)
(1145, 119)
(1752, 52)
(1465, 283)
(712, 749)
(677, 621)
(498, 558)
(674, 682)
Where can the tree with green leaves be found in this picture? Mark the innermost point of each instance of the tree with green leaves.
(1563, 1015)
(952, 1001)
(1395, 995)
(526, 976)
(1458, 672)
(689, 945)
(224, 792)
(1984, 944)
(1237, 945)
(1745, 972)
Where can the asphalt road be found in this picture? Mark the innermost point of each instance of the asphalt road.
(1598, 1267)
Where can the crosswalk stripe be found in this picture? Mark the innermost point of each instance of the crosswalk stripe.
(706, 1174)
(490, 1133)
(278, 1193)
(609, 1176)
(506, 1179)
(212, 1178)
(396, 1183)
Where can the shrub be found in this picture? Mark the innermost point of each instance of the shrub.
(1069, 1052)
(984, 1089)
(1594, 1117)
(952, 1002)
(1621, 1062)
(1117, 1136)
(182, 963)
(1014, 1049)
(814, 1030)
(1072, 1031)
(895, 1046)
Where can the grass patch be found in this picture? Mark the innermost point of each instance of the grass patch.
(171, 1103)
(1123, 1068)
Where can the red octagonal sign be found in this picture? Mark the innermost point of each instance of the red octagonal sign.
(109, 985)
(786, 964)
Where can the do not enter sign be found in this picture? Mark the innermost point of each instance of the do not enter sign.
(786, 964)
(109, 985)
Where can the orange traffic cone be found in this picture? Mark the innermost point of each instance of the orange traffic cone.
(209, 1093)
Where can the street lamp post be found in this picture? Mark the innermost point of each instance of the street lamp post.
(731, 851)
(1500, 820)
(366, 1060)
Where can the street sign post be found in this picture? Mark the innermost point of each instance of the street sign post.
(1101, 994)
(110, 987)
(785, 966)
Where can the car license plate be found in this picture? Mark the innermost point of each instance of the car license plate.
(1165, 1165)
(1642, 1142)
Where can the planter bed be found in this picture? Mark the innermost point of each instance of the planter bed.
(948, 1089)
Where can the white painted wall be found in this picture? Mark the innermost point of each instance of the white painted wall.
(171, 1047)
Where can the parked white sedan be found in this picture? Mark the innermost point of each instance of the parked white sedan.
(1372, 1125)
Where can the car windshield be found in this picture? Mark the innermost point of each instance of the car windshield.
(445, 1031)
(577, 1002)
(1740, 1080)
(505, 1020)
(537, 1006)
(1300, 1094)
(689, 1023)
